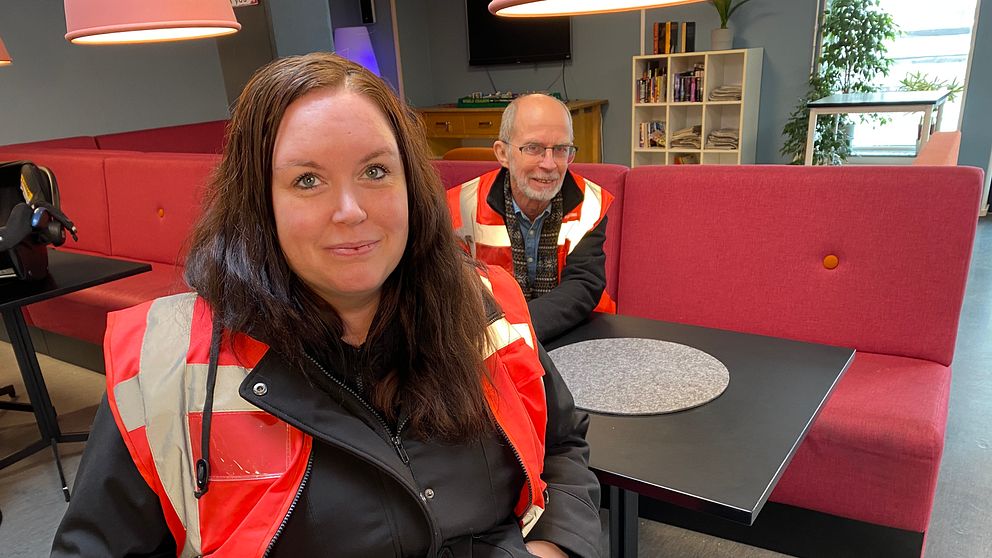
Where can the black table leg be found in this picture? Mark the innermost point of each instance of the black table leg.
(623, 523)
(41, 403)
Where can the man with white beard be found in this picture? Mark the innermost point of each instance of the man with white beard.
(541, 222)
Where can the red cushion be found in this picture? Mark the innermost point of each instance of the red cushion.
(742, 248)
(874, 452)
(202, 137)
(154, 200)
(83, 314)
(80, 175)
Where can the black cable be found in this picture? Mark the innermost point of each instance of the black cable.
(564, 84)
(491, 82)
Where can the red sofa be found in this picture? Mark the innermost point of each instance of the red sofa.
(739, 248)
(743, 248)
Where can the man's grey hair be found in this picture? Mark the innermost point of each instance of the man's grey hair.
(510, 115)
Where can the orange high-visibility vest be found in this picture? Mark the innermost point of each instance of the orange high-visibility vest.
(483, 233)
(157, 356)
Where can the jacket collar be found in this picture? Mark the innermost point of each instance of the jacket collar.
(571, 196)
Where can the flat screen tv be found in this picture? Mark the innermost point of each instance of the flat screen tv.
(505, 40)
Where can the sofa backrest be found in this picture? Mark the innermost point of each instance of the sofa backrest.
(201, 137)
(75, 142)
(744, 248)
(82, 188)
(610, 177)
(154, 201)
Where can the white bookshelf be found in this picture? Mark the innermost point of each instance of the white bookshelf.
(719, 68)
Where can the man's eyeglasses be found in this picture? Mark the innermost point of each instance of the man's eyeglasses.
(537, 151)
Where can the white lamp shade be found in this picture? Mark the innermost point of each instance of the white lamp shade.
(355, 44)
(147, 21)
(549, 8)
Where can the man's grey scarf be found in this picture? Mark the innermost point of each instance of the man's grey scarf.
(546, 277)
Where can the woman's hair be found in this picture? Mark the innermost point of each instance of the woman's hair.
(432, 299)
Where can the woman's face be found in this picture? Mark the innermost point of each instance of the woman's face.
(339, 196)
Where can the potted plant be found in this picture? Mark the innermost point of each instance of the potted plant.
(723, 38)
(853, 55)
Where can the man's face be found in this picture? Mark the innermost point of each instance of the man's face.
(543, 122)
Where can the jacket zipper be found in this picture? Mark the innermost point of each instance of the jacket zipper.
(520, 461)
(394, 438)
(397, 442)
(292, 506)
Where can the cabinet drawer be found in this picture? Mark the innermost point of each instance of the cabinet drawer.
(444, 124)
(482, 125)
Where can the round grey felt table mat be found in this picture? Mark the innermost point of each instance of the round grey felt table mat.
(629, 376)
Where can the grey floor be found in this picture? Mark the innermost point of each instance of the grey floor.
(961, 526)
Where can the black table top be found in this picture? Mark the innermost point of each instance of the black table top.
(881, 99)
(726, 456)
(67, 272)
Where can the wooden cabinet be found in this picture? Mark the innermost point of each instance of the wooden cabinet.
(695, 107)
(448, 127)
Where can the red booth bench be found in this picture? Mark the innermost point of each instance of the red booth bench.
(738, 248)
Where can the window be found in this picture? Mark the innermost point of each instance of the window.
(934, 41)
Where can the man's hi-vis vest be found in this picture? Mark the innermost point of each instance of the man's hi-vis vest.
(157, 356)
(483, 230)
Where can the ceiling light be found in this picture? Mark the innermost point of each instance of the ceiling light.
(547, 8)
(147, 21)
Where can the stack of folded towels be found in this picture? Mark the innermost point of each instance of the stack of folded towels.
(724, 138)
(726, 93)
(688, 138)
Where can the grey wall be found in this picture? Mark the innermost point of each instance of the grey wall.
(300, 26)
(602, 47)
(976, 126)
(56, 89)
(247, 50)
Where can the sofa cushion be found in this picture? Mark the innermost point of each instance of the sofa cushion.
(610, 177)
(154, 201)
(874, 452)
(201, 137)
(80, 174)
(743, 248)
(83, 314)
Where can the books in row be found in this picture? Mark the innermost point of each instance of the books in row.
(688, 86)
(652, 134)
(673, 36)
(652, 85)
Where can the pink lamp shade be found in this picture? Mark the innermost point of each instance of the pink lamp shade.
(4, 55)
(355, 44)
(547, 8)
(147, 21)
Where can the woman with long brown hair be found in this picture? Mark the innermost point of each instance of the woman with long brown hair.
(343, 381)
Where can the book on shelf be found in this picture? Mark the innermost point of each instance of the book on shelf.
(688, 86)
(651, 85)
(652, 134)
(685, 159)
(687, 36)
(671, 37)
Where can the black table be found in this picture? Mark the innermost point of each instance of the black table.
(67, 273)
(724, 457)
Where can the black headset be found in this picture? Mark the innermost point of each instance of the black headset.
(30, 213)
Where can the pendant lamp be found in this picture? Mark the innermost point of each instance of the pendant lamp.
(146, 21)
(547, 8)
(5, 58)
